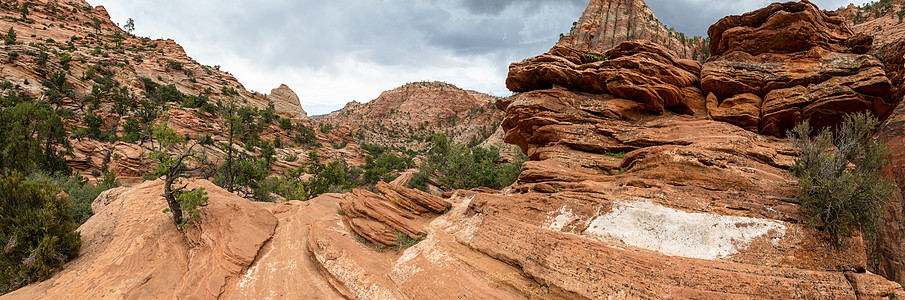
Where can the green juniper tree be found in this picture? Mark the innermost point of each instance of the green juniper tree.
(839, 178)
(173, 167)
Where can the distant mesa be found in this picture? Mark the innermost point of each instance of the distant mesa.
(287, 103)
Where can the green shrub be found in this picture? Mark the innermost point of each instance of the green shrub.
(131, 130)
(839, 178)
(81, 192)
(285, 124)
(325, 128)
(380, 168)
(457, 166)
(37, 232)
(595, 58)
(175, 65)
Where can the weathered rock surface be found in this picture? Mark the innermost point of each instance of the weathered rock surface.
(891, 236)
(607, 23)
(287, 103)
(801, 62)
(131, 250)
(641, 70)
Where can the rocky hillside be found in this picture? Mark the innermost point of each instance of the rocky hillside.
(647, 180)
(100, 77)
(884, 20)
(607, 23)
(405, 117)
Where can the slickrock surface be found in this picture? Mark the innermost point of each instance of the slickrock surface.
(607, 23)
(132, 250)
(788, 62)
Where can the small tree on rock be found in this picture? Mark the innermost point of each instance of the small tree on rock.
(130, 25)
(173, 167)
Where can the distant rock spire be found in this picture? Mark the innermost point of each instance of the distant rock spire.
(287, 103)
(607, 23)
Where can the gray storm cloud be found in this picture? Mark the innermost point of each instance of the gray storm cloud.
(332, 52)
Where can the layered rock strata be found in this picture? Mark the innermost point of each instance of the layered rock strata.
(777, 66)
(607, 23)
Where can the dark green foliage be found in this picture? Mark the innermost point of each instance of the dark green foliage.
(167, 93)
(36, 230)
(332, 177)
(206, 140)
(325, 128)
(268, 115)
(305, 137)
(457, 166)
(380, 168)
(195, 101)
(595, 58)
(285, 124)
(616, 155)
(241, 172)
(175, 65)
(33, 136)
(81, 192)
(132, 130)
(175, 158)
(10, 37)
(834, 196)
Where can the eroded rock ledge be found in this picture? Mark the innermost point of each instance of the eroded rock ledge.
(788, 62)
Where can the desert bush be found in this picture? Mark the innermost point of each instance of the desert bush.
(36, 230)
(380, 167)
(33, 137)
(839, 178)
(81, 192)
(285, 124)
(176, 159)
(175, 65)
(457, 166)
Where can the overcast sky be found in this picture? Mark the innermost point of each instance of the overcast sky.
(333, 52)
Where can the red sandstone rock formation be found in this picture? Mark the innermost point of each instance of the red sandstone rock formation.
(417, 110)
(631, 192)
(637, 69)
(607, 23)
(767, 77)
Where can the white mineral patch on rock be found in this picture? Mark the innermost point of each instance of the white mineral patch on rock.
(678, 233)
(564, 217)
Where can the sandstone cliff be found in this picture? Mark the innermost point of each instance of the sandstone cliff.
(789, 62)
(606, 23)
(883, 21)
